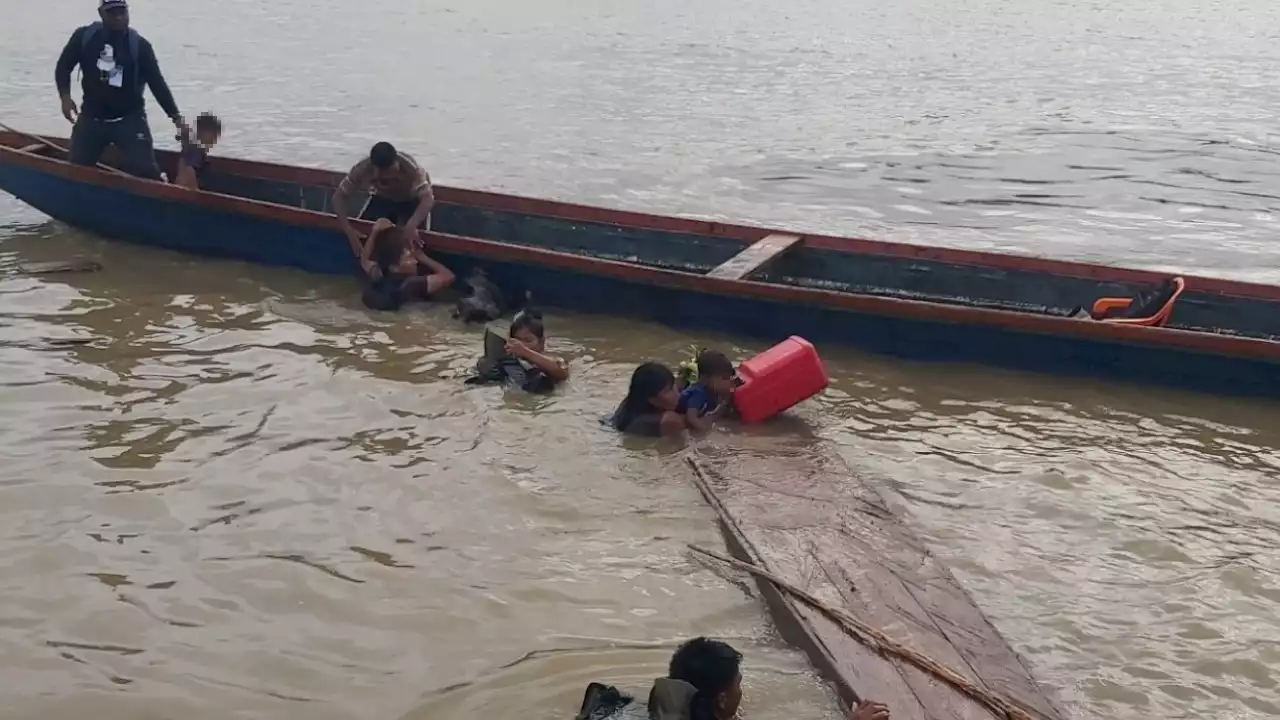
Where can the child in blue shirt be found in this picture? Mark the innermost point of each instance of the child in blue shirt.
(709, 397)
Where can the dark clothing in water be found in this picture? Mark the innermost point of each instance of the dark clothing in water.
(668, 700)
(388, 292)
(397, 212)
(115, 67)
(511, 370)
(648, 424)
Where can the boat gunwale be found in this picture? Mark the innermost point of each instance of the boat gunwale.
(1175, 338)
(744, 234)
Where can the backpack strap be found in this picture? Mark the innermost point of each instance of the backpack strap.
(90, 32)
(135, 46)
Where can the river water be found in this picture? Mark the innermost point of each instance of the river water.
(247, 496)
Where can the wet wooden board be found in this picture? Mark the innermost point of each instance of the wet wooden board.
(797, 511)
(754, 256)
(59, 266)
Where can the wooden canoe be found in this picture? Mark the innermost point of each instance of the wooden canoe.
(910, 301)
(797, 511)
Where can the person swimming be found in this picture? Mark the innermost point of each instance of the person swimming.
(650, 404)
(710, 396)
(704, 682)
(526, 362)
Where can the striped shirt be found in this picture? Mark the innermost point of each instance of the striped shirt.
(408, 184)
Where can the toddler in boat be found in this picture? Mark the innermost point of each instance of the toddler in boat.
(196, 145)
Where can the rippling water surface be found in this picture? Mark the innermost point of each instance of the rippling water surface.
(237, 492)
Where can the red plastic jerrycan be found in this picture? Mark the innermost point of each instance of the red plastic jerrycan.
(778, 379)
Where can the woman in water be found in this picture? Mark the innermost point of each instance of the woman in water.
(650, 404)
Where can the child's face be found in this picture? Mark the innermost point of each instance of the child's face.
(720, 384)
(207, 137)
(531, 341)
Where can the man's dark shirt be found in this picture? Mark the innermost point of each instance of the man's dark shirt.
(101, 99)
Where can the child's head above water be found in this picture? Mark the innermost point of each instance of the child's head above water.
(527, 327)
(715, 371)
(208, 129)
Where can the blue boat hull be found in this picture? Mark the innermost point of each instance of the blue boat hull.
(214, 231)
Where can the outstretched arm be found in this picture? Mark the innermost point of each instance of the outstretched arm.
(553, 367)
(358, 177)
(439, 277)
(426, 201)
(365, 252)
(67, 62)
(159, 88)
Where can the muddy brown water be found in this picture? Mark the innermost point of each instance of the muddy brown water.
(246, 495)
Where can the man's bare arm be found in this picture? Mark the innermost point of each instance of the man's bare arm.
(426, 201)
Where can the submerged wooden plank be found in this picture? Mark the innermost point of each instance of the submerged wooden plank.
(754, 256)
(800, 513)
(59, 266)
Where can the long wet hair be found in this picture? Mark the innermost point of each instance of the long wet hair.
(710, 666)
(648, 380)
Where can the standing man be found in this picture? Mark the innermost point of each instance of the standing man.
(116, 62)
(399, 190)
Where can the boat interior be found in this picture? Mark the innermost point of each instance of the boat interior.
(781, 258)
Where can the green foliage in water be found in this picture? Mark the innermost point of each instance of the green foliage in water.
(687, 371)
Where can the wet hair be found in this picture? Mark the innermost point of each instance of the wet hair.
(710, 666)
(387, 249)
(383, 155)
(714, 364)
(648, 380)
(528, 319)
(208, 122)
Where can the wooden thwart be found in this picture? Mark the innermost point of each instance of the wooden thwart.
(754, 256)
(33, 147)
(848, 584)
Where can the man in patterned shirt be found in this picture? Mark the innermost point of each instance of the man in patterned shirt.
(399, 190)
